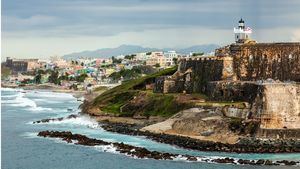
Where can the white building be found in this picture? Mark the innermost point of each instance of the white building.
(141, 56)
(169, 57)
(242, 34)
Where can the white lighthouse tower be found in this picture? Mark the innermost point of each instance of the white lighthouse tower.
(242, 34)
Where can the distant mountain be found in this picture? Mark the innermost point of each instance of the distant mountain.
(130, 49)
(199, 48)
(109, 52)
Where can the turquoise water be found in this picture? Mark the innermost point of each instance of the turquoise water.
(22, 149)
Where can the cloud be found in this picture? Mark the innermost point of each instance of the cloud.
(11, 23)
(153, 23)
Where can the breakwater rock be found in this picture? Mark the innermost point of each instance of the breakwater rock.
(141, 152)
(245, 145)
(72, 116)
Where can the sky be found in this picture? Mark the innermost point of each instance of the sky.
(44, 28)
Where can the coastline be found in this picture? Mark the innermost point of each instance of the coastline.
(140, 152)
(131, 126)
(48, 87)
(245, 145)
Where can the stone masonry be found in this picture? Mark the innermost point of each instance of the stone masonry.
(266, 75)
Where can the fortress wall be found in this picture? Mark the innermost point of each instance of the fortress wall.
(232, 91)
(165, 84)
(202, 71)
(280, 106)
(278, 133)
(279, 61)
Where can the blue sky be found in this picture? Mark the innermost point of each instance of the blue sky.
(43, 28)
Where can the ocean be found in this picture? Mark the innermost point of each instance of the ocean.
(22, 149)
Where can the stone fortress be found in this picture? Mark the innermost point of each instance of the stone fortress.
(266, 76)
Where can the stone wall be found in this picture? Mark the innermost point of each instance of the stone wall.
(276, 105)
(238, 62)
(278, 61)
(232, 91)
(278, 133)
(166, 84)
(279, 106)
(203, 70)
(243, 73)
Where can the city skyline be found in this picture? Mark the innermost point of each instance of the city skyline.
(43, 28)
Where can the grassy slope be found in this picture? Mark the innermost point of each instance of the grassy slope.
(162, 104)
(158, 104)
(129, 85)
(155, 104)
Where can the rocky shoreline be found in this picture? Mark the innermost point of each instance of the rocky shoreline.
(141, 152)
(245, 145)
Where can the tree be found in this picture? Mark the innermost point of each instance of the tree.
(81, 77)
(115, 60)
(175, 60)
(64, 77)
(126, 74)
(198, 54)
(157, 65)
(82, 64)
(53, 78)
(41, 71)
(129, 57)
(38, 78)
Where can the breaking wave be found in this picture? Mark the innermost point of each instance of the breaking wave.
(12, 89)
(81, 120)
(22, 101)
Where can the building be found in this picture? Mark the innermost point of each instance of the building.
(59, 62)
(169, 57)
(242, 34)
(156, 58)
(141, 56)
(32, 64)
(22, 65)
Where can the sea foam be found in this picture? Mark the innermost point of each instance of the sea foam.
(81, 120)
(22, 101)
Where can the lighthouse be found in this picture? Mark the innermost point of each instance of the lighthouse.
(242, 34)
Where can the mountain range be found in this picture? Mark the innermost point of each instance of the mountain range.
(130, 49)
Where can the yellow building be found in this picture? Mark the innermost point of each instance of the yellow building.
(156, 58)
